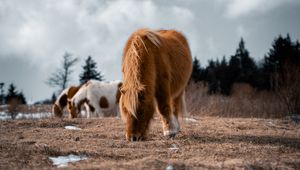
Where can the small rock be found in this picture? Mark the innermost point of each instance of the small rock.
(170, 167)
(77, 139)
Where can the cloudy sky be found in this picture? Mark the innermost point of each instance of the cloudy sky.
(34, 34)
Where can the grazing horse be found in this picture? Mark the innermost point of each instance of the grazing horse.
(62, 100)
(97, 96)
(156, 68)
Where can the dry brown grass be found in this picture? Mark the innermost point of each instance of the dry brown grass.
(206, 143)
(244, 102)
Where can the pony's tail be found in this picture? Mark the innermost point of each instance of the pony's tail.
(135, 50)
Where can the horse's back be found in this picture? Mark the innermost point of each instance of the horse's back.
(177, 57)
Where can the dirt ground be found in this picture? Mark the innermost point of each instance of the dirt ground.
(203, 143)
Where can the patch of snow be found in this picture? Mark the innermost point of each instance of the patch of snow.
(190, 119)
(3, 106)
(173, 147)
(34, 115)
(170, 167)
(72, 128)
(6, 116)
(62, 161)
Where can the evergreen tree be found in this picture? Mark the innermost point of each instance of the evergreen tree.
(11, 94)
(21, 98)
(53, 98)
(2, 95)
(247, 65)
(196, 73)
(90, 71)
(213, 83)
(283, 53)
(225, 83)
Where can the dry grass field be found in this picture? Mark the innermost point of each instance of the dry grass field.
(204, 142)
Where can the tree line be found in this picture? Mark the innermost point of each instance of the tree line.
(271, 73)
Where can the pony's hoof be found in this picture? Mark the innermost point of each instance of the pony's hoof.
(135, 138)
(169, 137)
(170, 134)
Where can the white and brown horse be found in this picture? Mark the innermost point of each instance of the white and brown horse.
(61, 101)
(99, 97)
(156, 68)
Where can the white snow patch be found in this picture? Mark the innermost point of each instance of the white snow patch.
(190, 119)
(170, 167)
(34, 115)
(3, 106)
(72, 128)
(62, 161)
(6, 116)
(173, 147)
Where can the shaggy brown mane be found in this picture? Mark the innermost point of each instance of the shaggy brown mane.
(132, 63)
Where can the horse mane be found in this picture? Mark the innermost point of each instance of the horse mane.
(136, 46)
(72, 91)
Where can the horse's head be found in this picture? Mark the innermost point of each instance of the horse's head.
(73, 110)
(136, 120)
(56, 110)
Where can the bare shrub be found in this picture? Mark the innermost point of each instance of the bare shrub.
(245, 101)
(13, 107)
(287, 87)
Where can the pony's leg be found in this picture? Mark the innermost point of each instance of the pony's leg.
(100, 113)
(169, 120)
(179, 107)
(117, 111)
(88, 111)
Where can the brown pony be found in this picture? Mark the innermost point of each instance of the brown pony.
(156, 67)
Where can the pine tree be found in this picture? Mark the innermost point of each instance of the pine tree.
(225, 83)
(21, 98)
(247, 64)
(196, 73)
(2, 95)
(213, 82)
(53, 98)
(284, 52)
(11, 94)
(90, 71)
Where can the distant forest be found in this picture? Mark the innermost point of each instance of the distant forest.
(280, 68)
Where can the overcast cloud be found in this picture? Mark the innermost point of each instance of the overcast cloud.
(34, 34)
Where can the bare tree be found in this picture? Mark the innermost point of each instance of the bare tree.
(13, 107)
(287, 87)
(61, 77)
